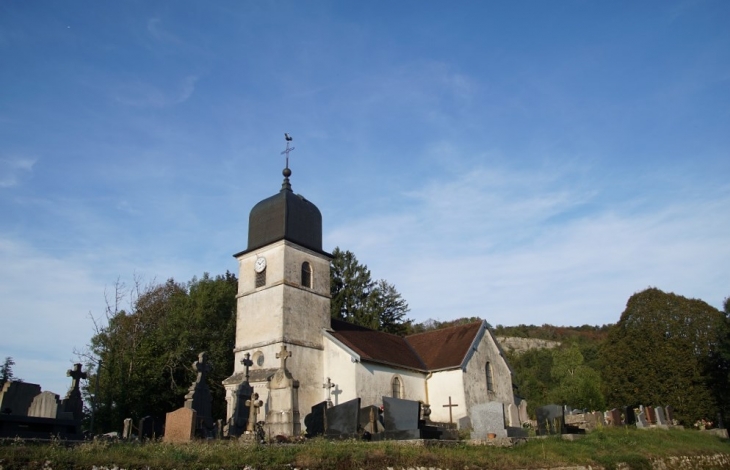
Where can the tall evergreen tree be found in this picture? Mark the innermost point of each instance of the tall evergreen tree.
(359, 300)
(663, 351)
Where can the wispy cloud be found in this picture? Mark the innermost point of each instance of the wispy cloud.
(482, 244)
(144, 94)
(14, 169)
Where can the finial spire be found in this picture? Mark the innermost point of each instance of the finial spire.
(287, 172)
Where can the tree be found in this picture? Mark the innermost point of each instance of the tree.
(578, 385)
(359, 300)
(147, 350)
(6, 372)
(665, 350)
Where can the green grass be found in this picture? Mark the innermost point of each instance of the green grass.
(606, 447)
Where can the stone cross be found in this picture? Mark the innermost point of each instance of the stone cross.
(76, 374)
(247, 362)
(449, 406)
(253, 411)
(329, 386)
(202, 366)
(283, 355)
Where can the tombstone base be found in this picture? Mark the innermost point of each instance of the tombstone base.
(248, 438)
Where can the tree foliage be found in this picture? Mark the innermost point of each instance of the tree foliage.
(357, 299)
(6, 371)
(667, 350)
(147, 350)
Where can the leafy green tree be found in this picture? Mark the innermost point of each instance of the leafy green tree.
(665, 350)
(578, 385)
(357, 299)
(147, 350)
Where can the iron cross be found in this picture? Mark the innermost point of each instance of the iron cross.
(286, 152)
(247, 362)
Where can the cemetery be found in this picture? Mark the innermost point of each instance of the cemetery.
(302, 379)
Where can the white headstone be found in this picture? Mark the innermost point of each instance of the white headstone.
(488, 418)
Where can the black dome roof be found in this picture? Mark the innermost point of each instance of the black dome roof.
(286, 216)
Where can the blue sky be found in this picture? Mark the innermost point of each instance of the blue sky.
(525, 162)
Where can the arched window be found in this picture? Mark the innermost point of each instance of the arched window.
(490, 381)
(306, 274)
(396, 387)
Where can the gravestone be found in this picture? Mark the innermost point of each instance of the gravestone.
(244, 391)
(16, 397)
(450, 406)
(73, 403)
(282, 418)
(180, 425)
(650, 415)
(46, 405)
(400, 418)
(199, 398)
(315, 421)
(641, 421)
(669, 412)
(253, 404)
(342, 420)
(630, 416)
(127, 430)
(615, 417)
(488, 418)
(522, 411)
(371, 420)
(146, 428)
(550, 420)
(661, 419)
(513, 416)
(599, 419)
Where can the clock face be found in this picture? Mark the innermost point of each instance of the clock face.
(260, 264)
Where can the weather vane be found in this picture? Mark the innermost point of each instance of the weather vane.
(288, 139)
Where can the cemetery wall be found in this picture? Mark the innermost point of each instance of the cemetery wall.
(441, 386)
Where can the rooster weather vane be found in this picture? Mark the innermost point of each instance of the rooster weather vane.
(286, 152)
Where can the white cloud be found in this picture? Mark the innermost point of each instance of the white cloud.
(487, 243)
(13, 169)
(143, 94)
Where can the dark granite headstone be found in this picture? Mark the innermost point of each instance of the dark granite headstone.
(661, 418)
(630, 416)
(550, 420)
(371, 420)
(315, 421)
(146, 428)
(342, 420)
(720, 422)
(669, 411)
(400, 418)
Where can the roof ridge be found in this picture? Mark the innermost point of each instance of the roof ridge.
(446, 328)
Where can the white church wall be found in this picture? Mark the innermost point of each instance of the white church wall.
(375, 381)
(340, 368)
(441, 386)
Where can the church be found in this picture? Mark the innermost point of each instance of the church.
(283, 322)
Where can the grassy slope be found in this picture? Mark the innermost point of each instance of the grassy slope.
(604, 447)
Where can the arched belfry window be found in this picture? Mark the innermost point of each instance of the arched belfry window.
(490, 380)
(396, 387)
(306, 274)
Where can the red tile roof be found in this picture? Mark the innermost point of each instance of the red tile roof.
(377, 346)
(433, 350)
(445, 348)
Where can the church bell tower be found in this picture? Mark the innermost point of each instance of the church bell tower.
(283, 295)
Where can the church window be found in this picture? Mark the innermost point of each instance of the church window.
(490, 381)
(397, 388)
(261, 279)
(306, 274)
